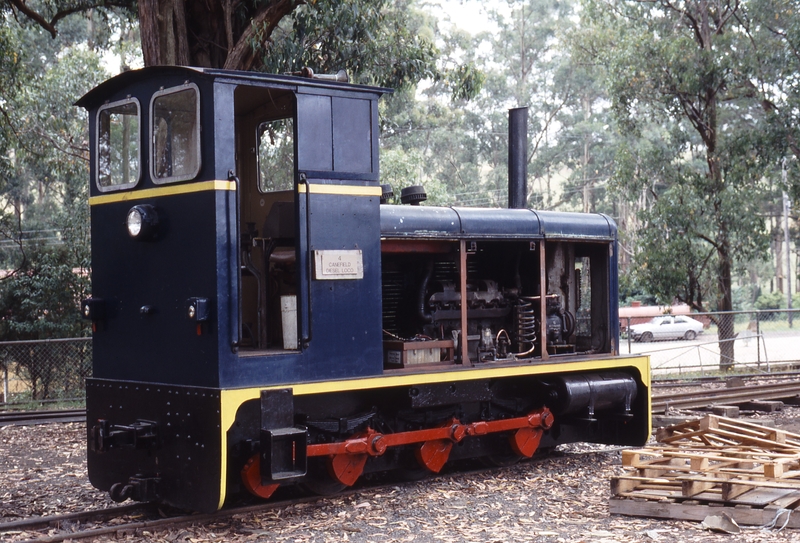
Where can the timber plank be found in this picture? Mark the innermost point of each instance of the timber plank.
(679, 511)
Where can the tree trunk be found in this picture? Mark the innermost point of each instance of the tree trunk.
(725, 332)
(210, 34)
(148, 27)
(708, 131)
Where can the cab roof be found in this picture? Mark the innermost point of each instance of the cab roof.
(100, 93)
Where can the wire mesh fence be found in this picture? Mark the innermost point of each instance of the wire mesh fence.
(46, 371)
(705, 343)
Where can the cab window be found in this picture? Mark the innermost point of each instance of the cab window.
(175, 143)
(118, 149)
(275, 155)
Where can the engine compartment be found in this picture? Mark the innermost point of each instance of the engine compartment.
(506, 317)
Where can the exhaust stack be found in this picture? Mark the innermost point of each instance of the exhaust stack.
(518, 158)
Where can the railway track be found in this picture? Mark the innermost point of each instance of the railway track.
(726, 396)
(27, 418)
(78, 518)
(73, 527)
(134, 518)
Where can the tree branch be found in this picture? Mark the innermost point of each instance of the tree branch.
(691, 21)
(51, 25)
(34, 16)
(242, 55)
(549, 119)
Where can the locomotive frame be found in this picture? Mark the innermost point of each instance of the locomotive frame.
(260, 318)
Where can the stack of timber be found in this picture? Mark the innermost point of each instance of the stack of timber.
(710, 466)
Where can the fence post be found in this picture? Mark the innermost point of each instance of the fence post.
(765, 356)
(758, 337)
(700, 359)
(628, 331)
(5, 384)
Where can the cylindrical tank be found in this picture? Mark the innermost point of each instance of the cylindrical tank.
(590, 392)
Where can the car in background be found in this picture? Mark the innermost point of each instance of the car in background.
(667, 327)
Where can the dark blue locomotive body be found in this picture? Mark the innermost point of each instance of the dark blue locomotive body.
(260, 318)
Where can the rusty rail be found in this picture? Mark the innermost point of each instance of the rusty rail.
(726, 396)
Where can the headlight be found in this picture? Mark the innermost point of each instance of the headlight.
(142, 222)
(134, 222)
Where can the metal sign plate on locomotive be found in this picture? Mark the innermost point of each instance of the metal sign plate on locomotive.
(332, 265)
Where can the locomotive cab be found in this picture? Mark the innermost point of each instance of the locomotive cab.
(261, 319)
(257, 204)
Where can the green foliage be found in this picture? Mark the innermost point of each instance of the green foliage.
(41, 299)
(378, 42)
(401, 169)
(464, 142)
(773, 27)
(771, 300)
(630, 291)
(44, 222)
(776, 300)
(693, 151)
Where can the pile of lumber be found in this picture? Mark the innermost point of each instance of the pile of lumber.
(709, 466)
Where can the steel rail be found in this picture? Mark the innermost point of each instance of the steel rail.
(185, 519)
(56, 521)
(721, 396)
(26, 418)
(673, 382)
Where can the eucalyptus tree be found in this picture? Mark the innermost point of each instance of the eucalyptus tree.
(679, 76)
(773, 27)
(528, 65)
(426, 134)
(44, 170)
(460, 125)
(527, 61)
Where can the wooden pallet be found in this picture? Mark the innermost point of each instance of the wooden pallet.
(722, 461)
(710, 465)
(720, 431)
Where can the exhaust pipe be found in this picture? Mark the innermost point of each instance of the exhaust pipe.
(518, 158)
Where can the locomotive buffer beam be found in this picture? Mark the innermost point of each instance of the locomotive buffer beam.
(348, 458)
(142, 434)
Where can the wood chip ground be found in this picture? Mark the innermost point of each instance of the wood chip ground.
(564, 498)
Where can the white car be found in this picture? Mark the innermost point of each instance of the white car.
(667, 327)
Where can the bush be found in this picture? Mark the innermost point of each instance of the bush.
(771, 300)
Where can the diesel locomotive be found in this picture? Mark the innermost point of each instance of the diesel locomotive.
(262, 318)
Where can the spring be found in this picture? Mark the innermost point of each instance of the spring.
(526, 325)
